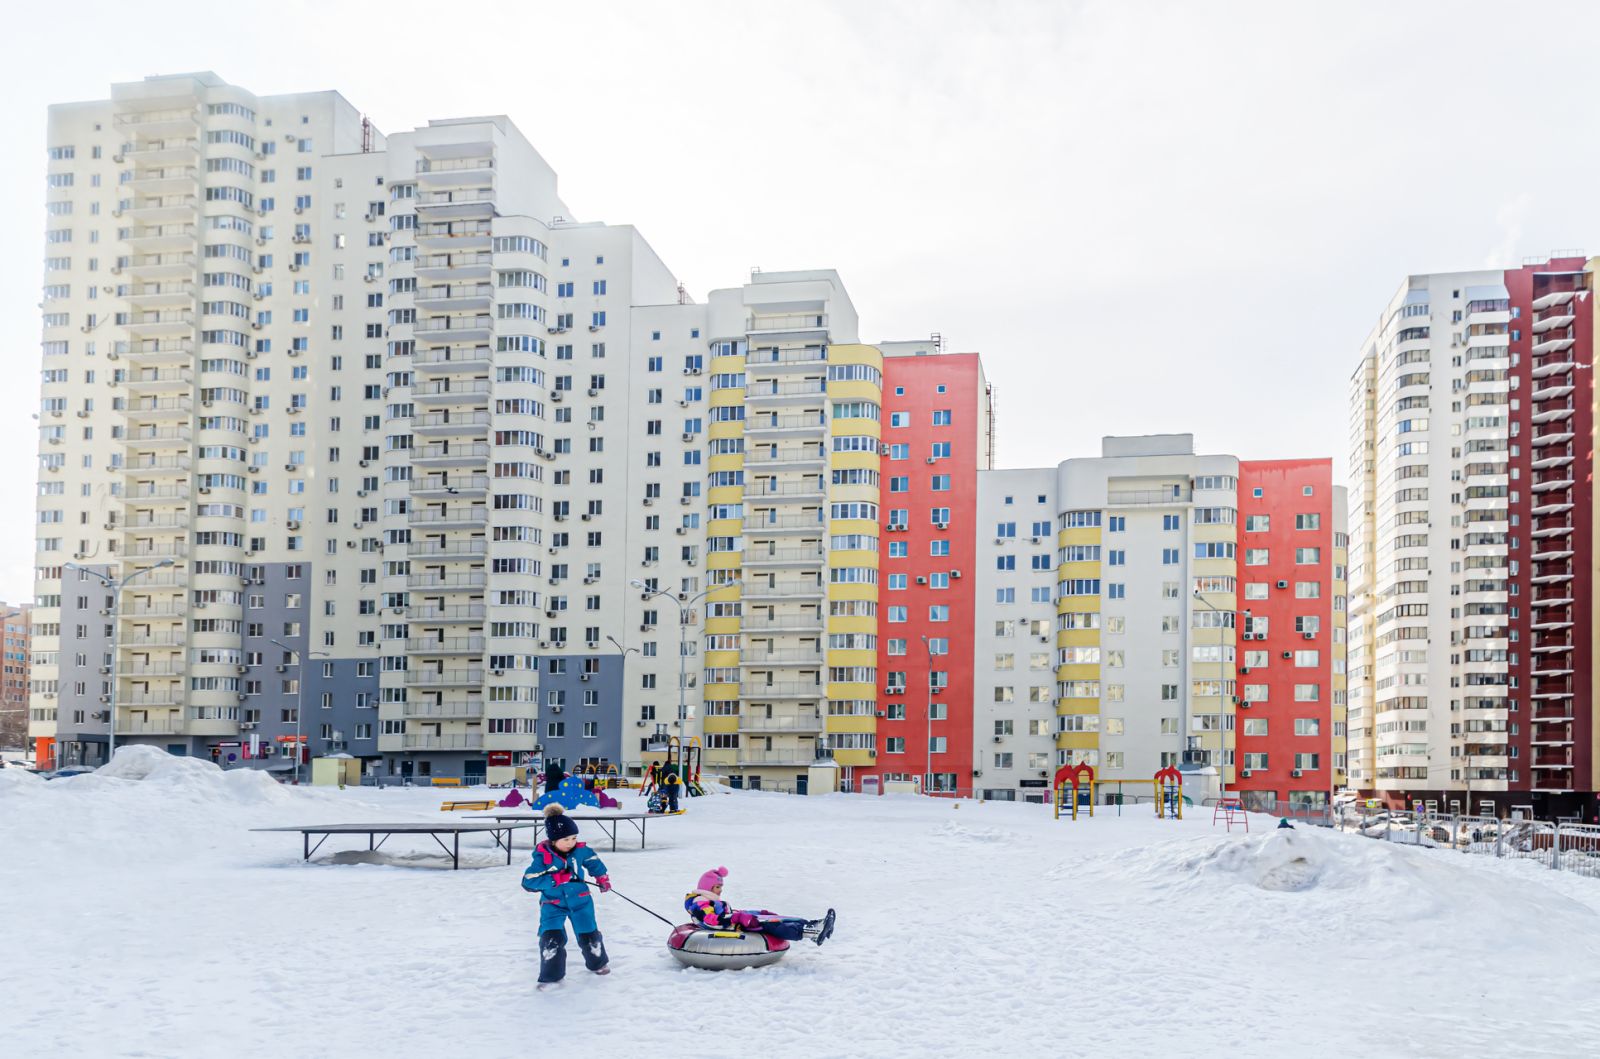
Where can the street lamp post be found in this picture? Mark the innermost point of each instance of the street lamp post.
(683, 606)
(299, 698)
(622, 679)
(1222, 680)
(115, 586)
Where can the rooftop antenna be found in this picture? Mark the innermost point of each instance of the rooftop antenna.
(366, 134)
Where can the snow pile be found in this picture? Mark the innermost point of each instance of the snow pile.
(15, 782)
(184, 778)
(1109, 936)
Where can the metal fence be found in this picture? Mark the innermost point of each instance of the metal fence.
(1562, 845)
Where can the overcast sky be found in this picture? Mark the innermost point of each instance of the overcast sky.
(1147, 217)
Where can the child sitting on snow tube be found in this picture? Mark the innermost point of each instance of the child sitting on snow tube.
(707, 908)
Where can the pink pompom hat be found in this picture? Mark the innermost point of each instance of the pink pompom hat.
(712, 879)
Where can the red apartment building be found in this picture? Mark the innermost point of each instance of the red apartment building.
(1290, 718)
(1551, 725)
(937, 435)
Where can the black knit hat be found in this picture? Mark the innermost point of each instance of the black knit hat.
(557, 824)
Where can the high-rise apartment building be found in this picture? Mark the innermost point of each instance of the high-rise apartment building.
(1155, 607)
(1472, 528)
(16, 626)
(362, 444)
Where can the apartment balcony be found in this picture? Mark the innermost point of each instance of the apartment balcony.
(452, 392)
(773, 392)
(158, 494)
(440, 173)
(1552, 529)
(1551, 734)
(169, 322)
(158, 209)
(448, 518)
(753, 591)
(158, 409)
(1552, 415)
(154, 610)
(145, 297)
(1552, 342)
(436, 614)
(801, 492)
(456, 203)
(514, 741)
(462, 454)
(452, 360)
(450, 710)
(777, 426)
(161, 238)
(462, 485)
(792, 621)
(782, 690)
(436, 647)
(1554, 691)
(1557, 364)
(146, 699)
(443, 330)
(177, 122)
(145, 523)
(159, 437)
(154, 669)
(447, 551)
(1551, 504)
(778, 558)
(1553, 575)
(809, 724)
(152, 353)
(1552, 712)
(159, 380)
(780, 657)
(157, 153)
(453, 236)
(440, 582)
(456, 266)
(1552, 389)
(157, 550)
(771, 325)
(762, 524)
(1559, 480)
(441, 742)
(162, 180)
(1553, 458)
(447, 424)
(172, 725)
(792, 459)
(140, 640)
(157, 466)
(807, 360)
(1173, 494)
(758, 758)
(454, 297)
(444, 678)
(1549, 551)
(149, 266)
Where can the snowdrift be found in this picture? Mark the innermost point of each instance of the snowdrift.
(178, 778)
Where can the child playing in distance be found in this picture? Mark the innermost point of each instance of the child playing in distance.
(706, 906)
(556, 874)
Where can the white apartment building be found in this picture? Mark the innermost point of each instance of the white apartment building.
(1430, 431)
(1014, 660)
(436, 475)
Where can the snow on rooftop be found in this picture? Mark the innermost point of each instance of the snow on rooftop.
(144, 917)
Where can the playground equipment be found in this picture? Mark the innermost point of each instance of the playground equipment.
(1230, 811)
(1081, 776)
(604, 776)
(1166, 791)
(1169, 793)
(683, 760)
(723, 950)
(572, 794)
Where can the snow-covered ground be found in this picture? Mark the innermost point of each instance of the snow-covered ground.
(142, 917)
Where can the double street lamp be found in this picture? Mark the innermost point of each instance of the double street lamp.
(684, 604)
(115, 585)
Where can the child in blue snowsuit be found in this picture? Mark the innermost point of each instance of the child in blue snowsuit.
(557, 875)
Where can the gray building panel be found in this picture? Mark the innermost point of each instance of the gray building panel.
(584, 678)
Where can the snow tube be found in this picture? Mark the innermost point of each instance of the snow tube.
(724, 950)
